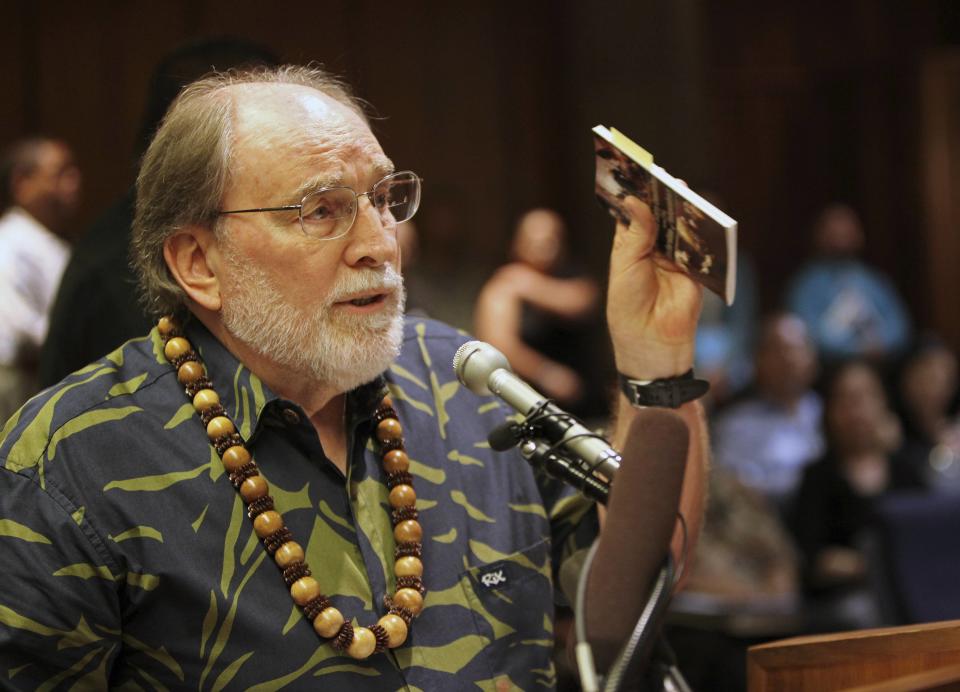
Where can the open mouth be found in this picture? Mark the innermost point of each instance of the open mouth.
(365, 300)
(368, 300)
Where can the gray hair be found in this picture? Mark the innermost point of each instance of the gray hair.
(187, 168)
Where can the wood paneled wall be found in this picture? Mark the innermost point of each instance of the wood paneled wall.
(938, 276)
(777, 107)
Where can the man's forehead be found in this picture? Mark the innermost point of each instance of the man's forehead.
(786, 330)
(268, 115)
(52, 155)
(295, 137)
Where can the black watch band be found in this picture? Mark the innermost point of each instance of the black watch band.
(669, 392)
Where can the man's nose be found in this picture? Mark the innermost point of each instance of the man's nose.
(372, 241)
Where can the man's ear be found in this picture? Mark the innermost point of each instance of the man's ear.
(193, 257)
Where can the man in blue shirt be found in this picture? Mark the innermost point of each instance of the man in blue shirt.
(851, 309)
(767, 437)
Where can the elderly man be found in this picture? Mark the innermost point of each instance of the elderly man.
(139, 525)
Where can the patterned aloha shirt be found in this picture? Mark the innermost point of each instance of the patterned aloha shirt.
(127, 560)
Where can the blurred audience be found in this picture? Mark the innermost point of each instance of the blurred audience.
(726, 333)
(96, 308)
(834, 511)
(768, 435)
(742, 588)
(545, 317)
(744, 553)
(447, 277)
(40, 188)
(926, 392)
(852, 309)
(724, 337)
(418, 293)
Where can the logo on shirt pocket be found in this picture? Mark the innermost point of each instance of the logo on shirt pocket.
(493, 578)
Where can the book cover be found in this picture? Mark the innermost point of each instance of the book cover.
(692, 233)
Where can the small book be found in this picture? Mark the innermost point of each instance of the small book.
(692, 233)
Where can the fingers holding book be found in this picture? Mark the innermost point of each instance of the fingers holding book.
(652, 306)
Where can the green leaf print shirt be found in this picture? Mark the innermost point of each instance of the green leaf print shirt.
(127, 560)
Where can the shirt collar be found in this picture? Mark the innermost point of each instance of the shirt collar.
(247, 399)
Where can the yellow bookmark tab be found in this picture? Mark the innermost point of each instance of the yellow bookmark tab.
(631, 148)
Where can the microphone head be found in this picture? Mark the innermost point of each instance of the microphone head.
(474, 362)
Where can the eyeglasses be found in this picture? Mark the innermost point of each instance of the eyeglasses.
(329, 213)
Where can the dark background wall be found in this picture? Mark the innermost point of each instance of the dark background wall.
(777, 107)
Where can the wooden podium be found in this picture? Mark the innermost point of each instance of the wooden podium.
(897, 659)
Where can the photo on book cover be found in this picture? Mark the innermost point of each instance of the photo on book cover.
(686, 236)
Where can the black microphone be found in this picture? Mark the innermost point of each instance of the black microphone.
(641, 516)
(484, 370)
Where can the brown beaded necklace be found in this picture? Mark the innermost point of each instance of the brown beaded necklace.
(328, 622)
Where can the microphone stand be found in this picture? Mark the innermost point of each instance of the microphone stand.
(528, 435)
(534, 436)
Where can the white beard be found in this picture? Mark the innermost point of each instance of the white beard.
(334, 348)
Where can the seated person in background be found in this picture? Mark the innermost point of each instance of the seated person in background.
(851, 309)
(834, 505)
(745, 553)
(742, 585)
(773, 431)
(39, 192)
(927, 397)
(544, 318)
(229, 500)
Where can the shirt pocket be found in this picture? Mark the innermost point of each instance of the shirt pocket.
(512, 603)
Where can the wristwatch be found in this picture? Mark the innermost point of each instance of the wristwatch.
(668, 392)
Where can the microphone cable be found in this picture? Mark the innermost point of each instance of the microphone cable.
(640, 637)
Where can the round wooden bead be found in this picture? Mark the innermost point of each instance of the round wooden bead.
(403, 496)
(175, 347)
(363, 644)
(166, 326)
(235, 457)
(396, 629)
(304, 590)
(386, 402)
(408, 531)
(328, 622)
(204, 399)
(267, 522)
(409, 599)
(396, 460)
(191, 371)
(253, 488)
(408, 567)
(287, 554)
(389, 429)
(219, 426)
